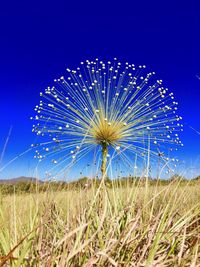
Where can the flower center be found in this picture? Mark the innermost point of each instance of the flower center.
(107, 132)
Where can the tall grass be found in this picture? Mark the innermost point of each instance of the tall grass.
(117, 226)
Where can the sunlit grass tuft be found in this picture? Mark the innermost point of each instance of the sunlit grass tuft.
(117, 226)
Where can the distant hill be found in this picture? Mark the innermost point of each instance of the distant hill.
(20, 179)
(82, 181)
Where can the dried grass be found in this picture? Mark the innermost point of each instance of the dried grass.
(132, 226)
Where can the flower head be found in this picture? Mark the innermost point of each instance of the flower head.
(113, 106)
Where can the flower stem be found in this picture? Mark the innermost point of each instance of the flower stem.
(104, 159)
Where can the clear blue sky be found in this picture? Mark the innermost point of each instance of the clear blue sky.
(40, 39)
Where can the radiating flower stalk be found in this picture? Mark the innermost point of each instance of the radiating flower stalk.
(117, 107)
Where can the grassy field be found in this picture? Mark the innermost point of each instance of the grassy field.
(134, 225)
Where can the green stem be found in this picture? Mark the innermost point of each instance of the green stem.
(104, 159)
